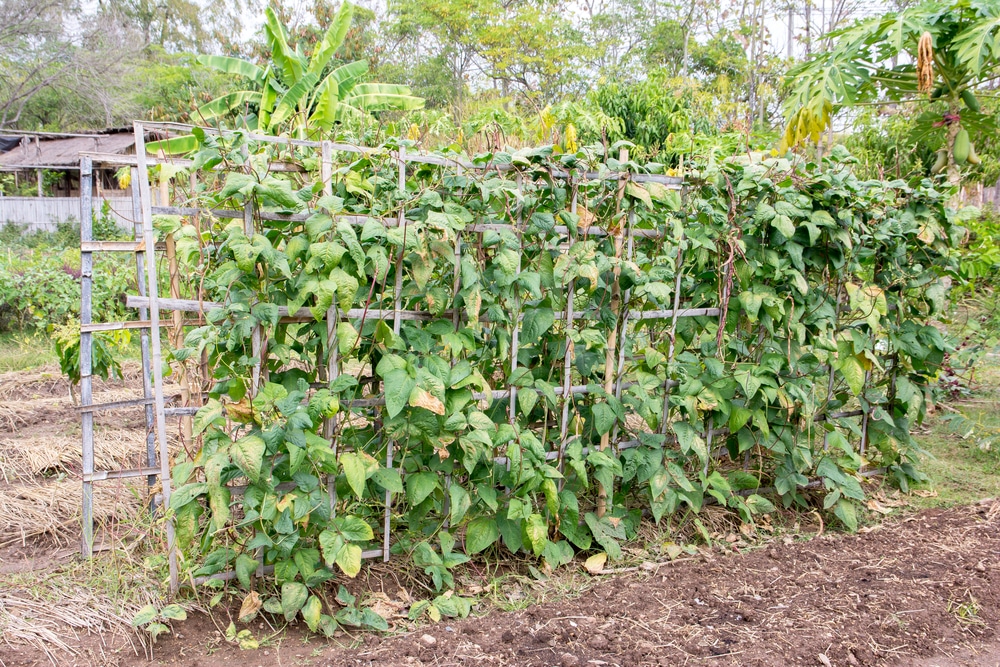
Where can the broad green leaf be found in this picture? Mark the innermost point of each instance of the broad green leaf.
(398, 387)
(248, 454)
(460, 502)
(419, 485)
(604, 418)
(313, 609)
(354, 470)
(349, 559)
(854, 374)
(236, 66)
(353, 528)
(174, 612)
(536, 533)
(537, 321)
(293, 596)
(145, 615)
(480, 534)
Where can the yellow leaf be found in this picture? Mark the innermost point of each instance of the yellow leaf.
(595, 564)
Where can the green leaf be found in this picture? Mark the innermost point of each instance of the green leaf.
(354, 470)
(480, 534)
(389, 479)
(398, 387)
(460, 502)
(207, 415)
(854, 373)
(604, 418)
(313, 609)
(174, 612)
(248, 454)
(845, 511)
(145, 615)
(690, 440)
(246, 567)
(536, 322)
(419, 485)
(349, 559)
(293, 596)
(536, 533)
(353, 528)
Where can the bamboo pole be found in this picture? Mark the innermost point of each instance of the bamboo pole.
(147, 388)
(331, 369)
(567, 394)
(157, 354)
(86, 353)
(609, 350)
(176, 335)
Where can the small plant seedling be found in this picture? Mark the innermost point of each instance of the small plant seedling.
(157, 621)
(966, 610)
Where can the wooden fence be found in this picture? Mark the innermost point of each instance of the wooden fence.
(37, 214)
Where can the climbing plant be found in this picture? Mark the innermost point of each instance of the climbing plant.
(493, 352)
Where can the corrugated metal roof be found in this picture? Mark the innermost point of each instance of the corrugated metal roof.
(55, 153)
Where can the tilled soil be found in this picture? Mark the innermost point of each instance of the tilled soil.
(928, 585)
(923, 590)
(920, 590)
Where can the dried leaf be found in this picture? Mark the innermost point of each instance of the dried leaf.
(595, 564)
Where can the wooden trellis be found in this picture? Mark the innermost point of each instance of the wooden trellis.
(150, 304)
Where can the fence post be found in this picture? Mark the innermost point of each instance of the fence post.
(86, 351)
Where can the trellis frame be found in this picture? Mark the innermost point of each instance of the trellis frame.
(150, 304)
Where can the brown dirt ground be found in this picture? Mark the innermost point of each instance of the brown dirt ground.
(920, 589)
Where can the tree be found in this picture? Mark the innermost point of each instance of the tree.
(935, 55)
(59, 67)
(295, 92)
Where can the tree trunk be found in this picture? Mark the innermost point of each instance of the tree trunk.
(953, 170)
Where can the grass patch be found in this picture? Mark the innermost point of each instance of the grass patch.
(24, 351)
(963, 440)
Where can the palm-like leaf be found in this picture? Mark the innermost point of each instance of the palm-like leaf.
(333, 39)
(290, 101)
(348, 75)
(174, 146)
(221, 106)
(290, 64)
(980, 43)
(236, 66)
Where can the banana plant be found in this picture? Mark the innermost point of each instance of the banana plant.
(297, 93)
(935, 54)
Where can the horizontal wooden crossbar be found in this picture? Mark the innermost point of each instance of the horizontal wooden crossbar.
(112, 246)
(114, 326)
(99, 475)
(305, 314)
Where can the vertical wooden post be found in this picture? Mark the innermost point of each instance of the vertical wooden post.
(397, 304)
(176, 317)
(516, 316)
(623, 329)
(672, 337)
(157, 353)
(332, 366)
(567, 387)
(204, 376)
(609, 351)
(147, 389)
(86, 352)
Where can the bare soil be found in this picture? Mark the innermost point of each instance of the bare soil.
(919, 589)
